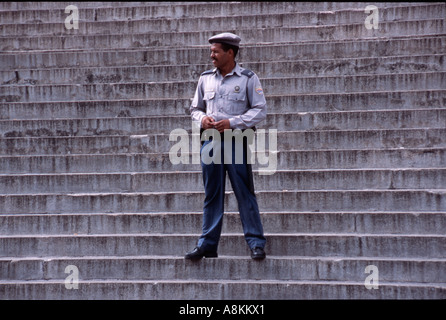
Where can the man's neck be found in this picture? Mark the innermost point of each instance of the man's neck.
(227, 69)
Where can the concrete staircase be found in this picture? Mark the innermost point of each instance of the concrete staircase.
(86, 180)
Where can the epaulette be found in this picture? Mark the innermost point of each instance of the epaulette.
(208, 72)
(248, 73)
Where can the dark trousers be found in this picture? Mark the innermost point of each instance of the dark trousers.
(214, 177)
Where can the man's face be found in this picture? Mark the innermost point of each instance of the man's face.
(219, 57)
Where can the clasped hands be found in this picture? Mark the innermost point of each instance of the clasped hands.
(210, 123)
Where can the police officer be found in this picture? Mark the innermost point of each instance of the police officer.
(228, 97)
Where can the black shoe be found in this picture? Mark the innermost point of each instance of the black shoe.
(198, 253)
(258, 253)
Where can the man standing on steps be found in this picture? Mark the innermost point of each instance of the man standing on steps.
(228, 97)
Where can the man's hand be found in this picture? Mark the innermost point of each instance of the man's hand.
(222, 125)
(207, 123)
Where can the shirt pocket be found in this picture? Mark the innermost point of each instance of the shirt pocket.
(208, 98)
(209, 95)
(237, 103)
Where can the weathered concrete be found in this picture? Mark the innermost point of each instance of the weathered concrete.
(161, 90)
(286, 160)
(250, 36)
(144, 73)
(107, 25)
(350, 245)
(217, 290)
(378, 179)
(180, 11)
(309, 121)
(294, 51)
(286, 140)
(178, 201)
(363, 222)
(287, 103)
(230, 267)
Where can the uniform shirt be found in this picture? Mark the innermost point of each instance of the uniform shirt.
(236, 97)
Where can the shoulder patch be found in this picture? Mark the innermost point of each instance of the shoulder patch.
(247, 73)
(259, 90)
(208, 72)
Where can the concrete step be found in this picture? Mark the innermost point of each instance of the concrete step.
(286, 160)
(186, 89)
(192, 181)
(295, 244)
(286, 103)
(218, 290)
(318, 121)
(249, 36)
(328, 67)
(286, 140)
(62, 5)
(375, 139)
(384, 119)
(184, 8)
(309, 200)
(116, 23)
(405, 222)
(101, 12)
(427, 271)
(339, 49)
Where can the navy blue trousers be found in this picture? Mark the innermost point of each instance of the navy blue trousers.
(240, 176)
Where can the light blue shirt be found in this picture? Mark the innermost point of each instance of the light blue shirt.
(236, 97)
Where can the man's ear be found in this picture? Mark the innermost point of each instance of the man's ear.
(232, 52)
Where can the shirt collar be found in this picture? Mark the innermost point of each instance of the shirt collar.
(237, 70)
